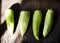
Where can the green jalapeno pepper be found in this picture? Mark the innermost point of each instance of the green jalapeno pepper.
(48, 22)
(9, 14)
(24, 21)
(37, 17)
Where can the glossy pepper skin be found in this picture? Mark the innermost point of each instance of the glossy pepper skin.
(37, 17)
(24, 21)
(9, 14)
(48, 22)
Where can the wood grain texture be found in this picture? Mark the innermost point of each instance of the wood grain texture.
(32, 5)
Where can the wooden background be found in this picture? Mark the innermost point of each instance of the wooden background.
(30, 5)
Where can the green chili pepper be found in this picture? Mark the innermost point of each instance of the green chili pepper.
(48, 22)
(37, 17)
(24, 20)
(9, 14)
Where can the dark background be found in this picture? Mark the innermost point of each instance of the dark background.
(32, 5)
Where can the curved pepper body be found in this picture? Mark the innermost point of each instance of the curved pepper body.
(24, 21)
(37, 17)
(9, 14)
(48, 22)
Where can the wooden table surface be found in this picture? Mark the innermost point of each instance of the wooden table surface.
(30, 5)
